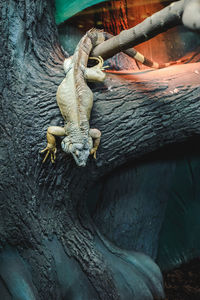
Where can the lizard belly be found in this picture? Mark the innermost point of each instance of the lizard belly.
(67, 99)
(75, 105)
(86, 101)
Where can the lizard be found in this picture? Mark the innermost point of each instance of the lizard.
(75, 101)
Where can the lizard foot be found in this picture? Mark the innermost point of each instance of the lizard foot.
(50, 150)
(94, 152)
(100, 60)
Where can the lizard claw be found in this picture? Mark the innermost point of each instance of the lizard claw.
(53, 157)
(50, 150)
(105, 67)
(94, 152)
(100, 61)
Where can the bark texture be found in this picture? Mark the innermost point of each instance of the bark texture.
(50, 248)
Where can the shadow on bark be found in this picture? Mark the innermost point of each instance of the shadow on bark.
(50, 248)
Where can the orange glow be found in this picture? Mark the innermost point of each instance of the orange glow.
(158, 48)
(180, 76)
(126, 14)
(117, 15)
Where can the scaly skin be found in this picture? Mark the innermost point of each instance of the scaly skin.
(75, 100)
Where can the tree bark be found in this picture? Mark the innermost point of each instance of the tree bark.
(50, 247)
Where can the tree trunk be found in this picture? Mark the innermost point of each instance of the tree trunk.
(50, 248)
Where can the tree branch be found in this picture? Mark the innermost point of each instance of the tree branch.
(159, 22)
(146, 111)
(191, 15)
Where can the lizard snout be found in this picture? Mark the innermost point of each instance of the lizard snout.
(80, 155)
(82, 164)
(77, 146)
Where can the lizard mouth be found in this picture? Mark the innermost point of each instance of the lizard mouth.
(81, 164)
(80, 157)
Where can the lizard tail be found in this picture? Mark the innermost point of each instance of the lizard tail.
(145, 61)
(96, 36)
(149, 63)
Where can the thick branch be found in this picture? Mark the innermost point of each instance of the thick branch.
(191, 15)
(159, 22)
(147, 111)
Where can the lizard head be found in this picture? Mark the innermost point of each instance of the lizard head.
(79, 151)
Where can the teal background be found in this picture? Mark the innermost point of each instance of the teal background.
(180, 235)
(65, 9)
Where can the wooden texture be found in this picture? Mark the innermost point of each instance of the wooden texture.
(43, 215)
(44, 225)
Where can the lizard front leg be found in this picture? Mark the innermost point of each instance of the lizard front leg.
(96, 136)
(52, 131)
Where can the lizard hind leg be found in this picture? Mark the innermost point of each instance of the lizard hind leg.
(96, 136)
(100, 60)
(95, 73)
